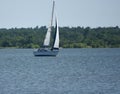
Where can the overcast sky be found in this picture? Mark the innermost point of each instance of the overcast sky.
(31, 13)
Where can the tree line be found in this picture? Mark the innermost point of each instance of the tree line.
(70, 37)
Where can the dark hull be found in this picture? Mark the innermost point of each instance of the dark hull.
(44, 52)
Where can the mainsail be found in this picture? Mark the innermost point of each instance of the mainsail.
(56, 37)
(48, 34)
(47, 37)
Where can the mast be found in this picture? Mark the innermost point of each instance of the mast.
(48, 34)
(52, 13)
(56, 36)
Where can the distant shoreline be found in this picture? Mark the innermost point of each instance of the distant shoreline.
(70, 37)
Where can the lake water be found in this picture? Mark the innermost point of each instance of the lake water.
(73, 71)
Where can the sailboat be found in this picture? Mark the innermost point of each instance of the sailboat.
(53, 51)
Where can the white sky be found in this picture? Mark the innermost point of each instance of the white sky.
(31, 13)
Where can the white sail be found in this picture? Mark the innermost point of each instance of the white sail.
(47, 37)
(56, 40)
(48, 34)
